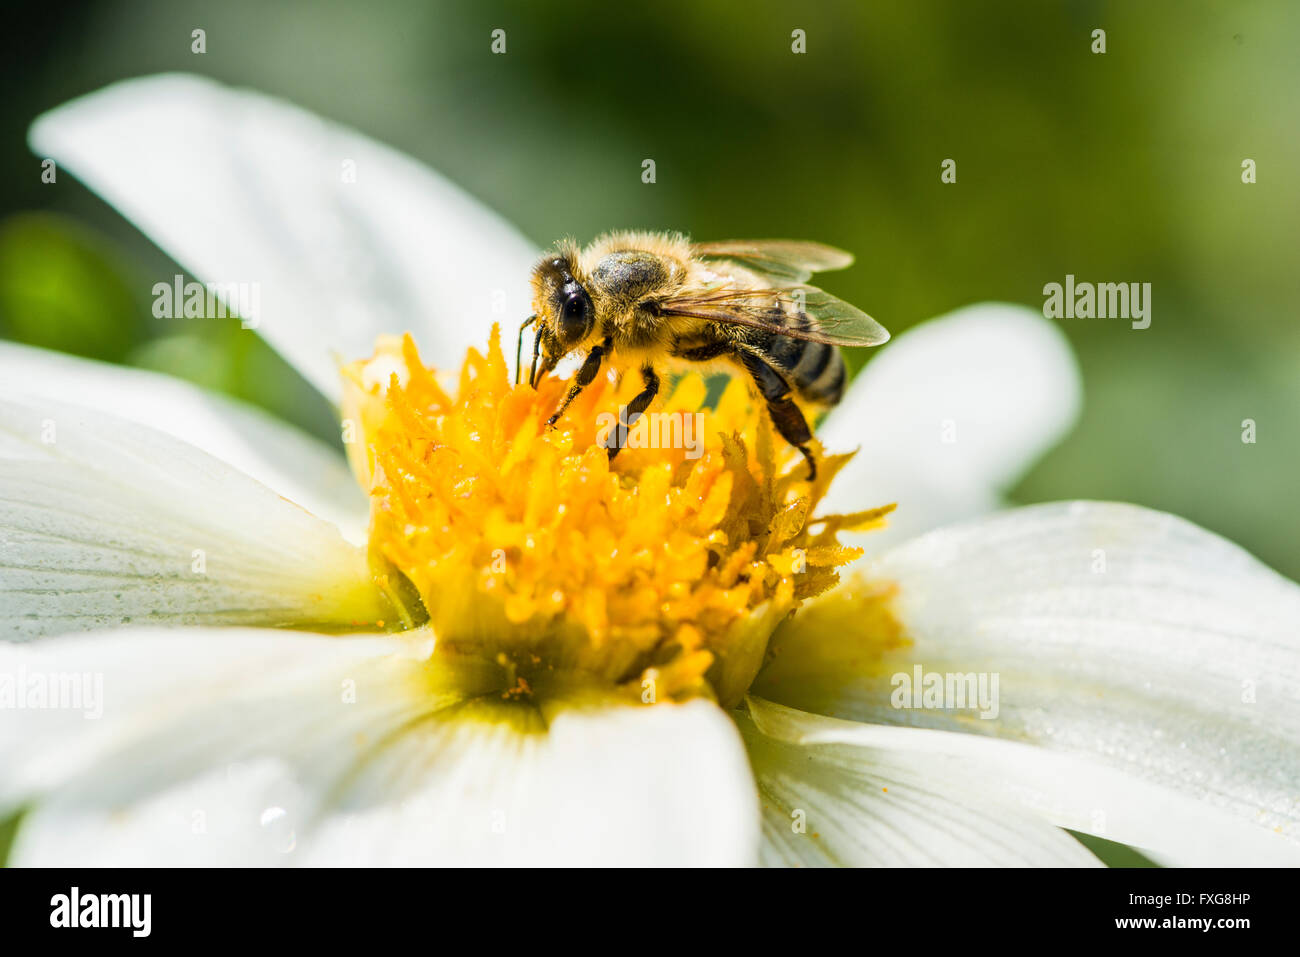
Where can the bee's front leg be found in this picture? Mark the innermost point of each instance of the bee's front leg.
(640, 402)
(585, 377)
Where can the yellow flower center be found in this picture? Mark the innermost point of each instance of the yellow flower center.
(664, 570)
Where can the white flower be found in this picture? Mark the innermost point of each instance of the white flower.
(1149, 672)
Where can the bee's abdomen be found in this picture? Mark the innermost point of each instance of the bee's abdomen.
(819, 374)
(814, 369)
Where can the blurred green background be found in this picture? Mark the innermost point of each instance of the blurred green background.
(1117, 167)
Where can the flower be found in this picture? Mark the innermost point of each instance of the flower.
(529, 545)
(537, 656)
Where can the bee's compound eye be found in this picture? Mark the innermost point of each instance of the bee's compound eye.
(575, 316)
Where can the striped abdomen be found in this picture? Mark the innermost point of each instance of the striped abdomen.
(815, 369)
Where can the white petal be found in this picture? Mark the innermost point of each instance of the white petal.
(290, 748)
(184, 738)
(1029, 784)
(105, 522)
(239, 187)
(834, 794)
(1129, 636)
(279, 456)
(949, 415)
(666, 785)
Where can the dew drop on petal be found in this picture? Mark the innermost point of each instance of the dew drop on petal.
(279, 829)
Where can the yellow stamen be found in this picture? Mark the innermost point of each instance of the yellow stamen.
(664, 570)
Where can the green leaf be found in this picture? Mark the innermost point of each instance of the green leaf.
(61, 288)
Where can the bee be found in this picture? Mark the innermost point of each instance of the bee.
(640, 298)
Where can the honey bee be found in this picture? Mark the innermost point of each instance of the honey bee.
(642, 298)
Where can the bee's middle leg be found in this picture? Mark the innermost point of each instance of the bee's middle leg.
(640, 402)
(714, 350)
(786, 416)
(585, 377)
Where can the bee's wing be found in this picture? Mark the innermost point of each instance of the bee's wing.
(798, 312)
(781, 260)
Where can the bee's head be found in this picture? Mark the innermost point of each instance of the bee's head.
(562, 305)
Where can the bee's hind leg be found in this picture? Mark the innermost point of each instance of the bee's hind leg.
(640, 402)
(786, 416)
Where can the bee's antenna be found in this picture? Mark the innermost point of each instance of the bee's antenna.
(519, 347)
